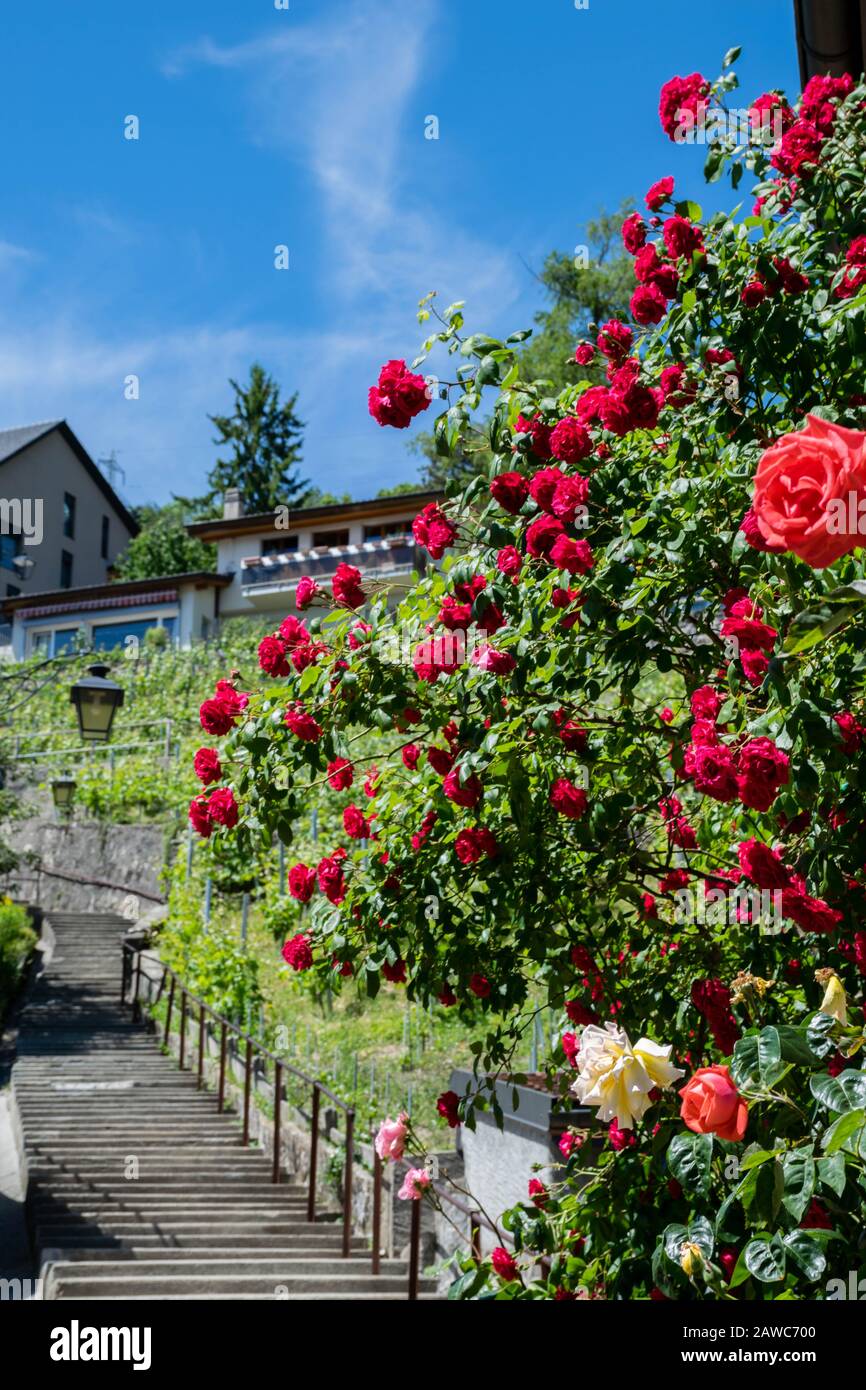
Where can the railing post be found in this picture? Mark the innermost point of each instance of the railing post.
(377, 1213)
(347, 1183)
(278, 1096)
(414, 1248)
(136, 1009)
(221, 1098)
(182, 1049)
(248, 1069)
(169, 1012)
(475, 1235)
(314, 1154)
(200, 1080)
(123, 973)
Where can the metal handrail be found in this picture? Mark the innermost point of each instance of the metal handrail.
(280, 1067)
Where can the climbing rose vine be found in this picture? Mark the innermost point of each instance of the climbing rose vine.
(619, 736)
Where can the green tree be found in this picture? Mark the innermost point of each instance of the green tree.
(163, 545)
(265, 436)
(585, 288)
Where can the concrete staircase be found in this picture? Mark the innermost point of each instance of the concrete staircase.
(138, 1188)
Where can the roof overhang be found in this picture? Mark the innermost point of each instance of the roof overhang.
(401, 504)
(831, 37)
(94, 596)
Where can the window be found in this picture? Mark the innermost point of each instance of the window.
(381, 529)
(65, 570)
(69, 515)
(108, 635)
(8, 551)
(281, 546)
(103, 544)
(325, 538)
(12, 591)
(64, 639)
(40, 642)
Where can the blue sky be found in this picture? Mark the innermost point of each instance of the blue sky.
(305, 127)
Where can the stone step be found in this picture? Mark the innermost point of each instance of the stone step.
(327, 1285)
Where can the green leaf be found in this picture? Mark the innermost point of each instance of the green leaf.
(765, 1260)
(689, 1159)
(831, 1173)
(798, 1168)
(805, 1251)
(731, 57)
(841, 1093)
(744, 1063)
(770, 1062)
(837, 1136)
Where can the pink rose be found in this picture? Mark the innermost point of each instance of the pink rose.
(391, 1138)
(415, 1184)
(807, 487)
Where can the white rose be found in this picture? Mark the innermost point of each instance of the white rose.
(618, 1077)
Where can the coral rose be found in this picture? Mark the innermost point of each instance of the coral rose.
(711, 1104)
(804, 489)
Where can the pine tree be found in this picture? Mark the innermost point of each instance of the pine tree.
(265, 437)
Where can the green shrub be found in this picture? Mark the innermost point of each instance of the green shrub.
(17, 940)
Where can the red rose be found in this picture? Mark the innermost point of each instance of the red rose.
(615, 339)
(753, 294)
(569, 800)
(199, 818)
(509, 561)
(340, 774)
(346, 586)
(410, 755)
(810, 914)
(222, 807)
(659, 193)
(749, 633)
(473, 845)
(762, 865)
(399, 396)
(570, 441)
(302, 724)
(851, 730)
(539, 434)
(648, 305)
(762, 769)
(705, 703)
(207, 765)
(755, 666)
(681, 237)
(510, 490)
(355, 823)
(329, 875)
(396, 973)
(680, 96)
(805, 486)
(542, 535)
(633, 233)
(297, 952)
(480, 986)
(307, 589)
(574, 556)
(487, 658)
(432, 530)
(504, 1265)
(583, 354)
(217, 716)
(447, 1106)
(272, 657)
(468, 793)
(713, 771)
(302, 882)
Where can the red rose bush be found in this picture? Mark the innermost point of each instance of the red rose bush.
(620, 738)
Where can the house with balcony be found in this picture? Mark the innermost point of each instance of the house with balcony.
(260, 559)
(263, 556)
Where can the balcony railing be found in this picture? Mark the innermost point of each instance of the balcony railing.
(376, 559)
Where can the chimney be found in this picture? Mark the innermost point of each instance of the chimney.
(233, 504)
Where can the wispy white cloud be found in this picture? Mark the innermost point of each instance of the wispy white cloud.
(335, 95)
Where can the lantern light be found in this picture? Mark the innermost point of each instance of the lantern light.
(95, 699)
(63, 792)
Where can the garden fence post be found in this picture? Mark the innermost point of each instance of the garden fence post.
(245, 909)
(208, 892)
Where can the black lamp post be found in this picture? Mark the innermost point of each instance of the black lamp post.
(63, 792)
(95, 700)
